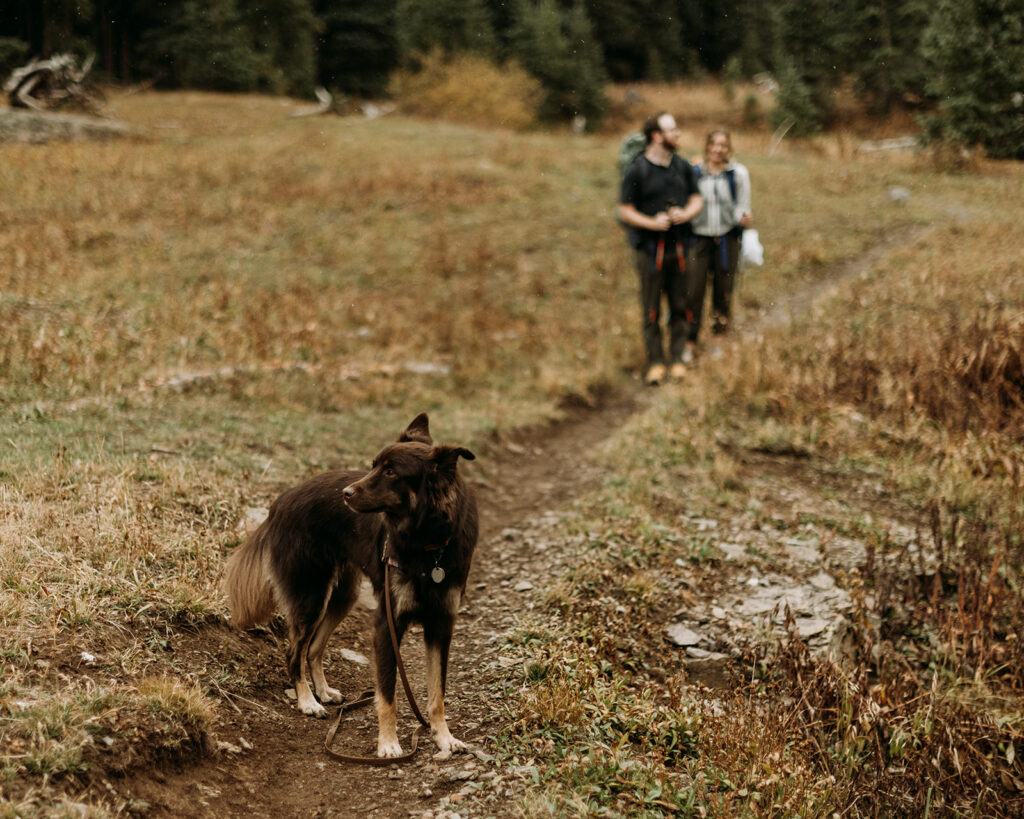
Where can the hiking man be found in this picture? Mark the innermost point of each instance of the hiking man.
(659, 198)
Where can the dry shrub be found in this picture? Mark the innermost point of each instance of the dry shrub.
(967, 375)
(928, 335)
(986, 359)
(959, 589)
(468, 88)
(924, 715)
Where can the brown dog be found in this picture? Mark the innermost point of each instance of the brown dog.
(412, 509)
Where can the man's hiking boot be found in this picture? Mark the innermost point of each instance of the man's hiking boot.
(677, 371)
(655, 375)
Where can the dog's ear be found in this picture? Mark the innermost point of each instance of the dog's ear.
(446, 458)
(418, 430)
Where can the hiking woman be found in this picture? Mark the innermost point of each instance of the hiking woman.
(725, 188)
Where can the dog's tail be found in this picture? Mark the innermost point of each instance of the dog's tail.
(247, 583)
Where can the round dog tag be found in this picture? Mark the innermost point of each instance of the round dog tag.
(437, 574)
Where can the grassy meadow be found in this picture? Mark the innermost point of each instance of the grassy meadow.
(234, 298)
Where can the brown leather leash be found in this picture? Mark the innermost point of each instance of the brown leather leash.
(367, 697)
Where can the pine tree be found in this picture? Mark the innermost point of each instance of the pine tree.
(759, 25)
(358, 45)
(812, 59)
(559, 49)
(718, 32)
(201, 44)
(886, 56)
(284, 32)
(795, 110)
(453, 26)
(976, 50)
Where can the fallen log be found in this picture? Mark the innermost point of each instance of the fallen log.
(54, 83)
(325, 100)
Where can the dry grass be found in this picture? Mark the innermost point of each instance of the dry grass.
(697, 106)
(201, 315)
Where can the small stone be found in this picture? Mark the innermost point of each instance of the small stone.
(354, 656)
(810, 626)
(701, 654)
(683, 636)
(823, 581)
(899, 195)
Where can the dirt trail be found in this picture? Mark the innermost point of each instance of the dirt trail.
(270, 761)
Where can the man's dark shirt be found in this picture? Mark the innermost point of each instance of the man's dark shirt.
(652, 188)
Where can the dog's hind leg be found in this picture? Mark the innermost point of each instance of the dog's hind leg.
(339, 604)
(304, 621)
(437, 637)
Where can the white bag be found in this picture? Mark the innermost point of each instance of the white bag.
(752, 252)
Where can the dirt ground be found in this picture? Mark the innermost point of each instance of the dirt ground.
(269, 760)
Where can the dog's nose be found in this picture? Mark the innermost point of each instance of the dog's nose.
(348, 491)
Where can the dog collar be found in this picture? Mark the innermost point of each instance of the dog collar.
(437, 574)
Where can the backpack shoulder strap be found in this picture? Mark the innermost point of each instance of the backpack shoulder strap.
(642, 164)
(730, 175)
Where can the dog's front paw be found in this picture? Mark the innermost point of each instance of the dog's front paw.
(388, 748)
(447, 745)
(330, 695)
(310, 707)
(316, 710)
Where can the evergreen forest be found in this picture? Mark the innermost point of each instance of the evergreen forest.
(960, 63)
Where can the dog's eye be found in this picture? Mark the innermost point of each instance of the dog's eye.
(389, 472)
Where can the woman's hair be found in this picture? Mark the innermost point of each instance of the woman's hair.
(718, 132)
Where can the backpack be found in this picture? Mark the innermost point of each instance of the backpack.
(632, 146)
